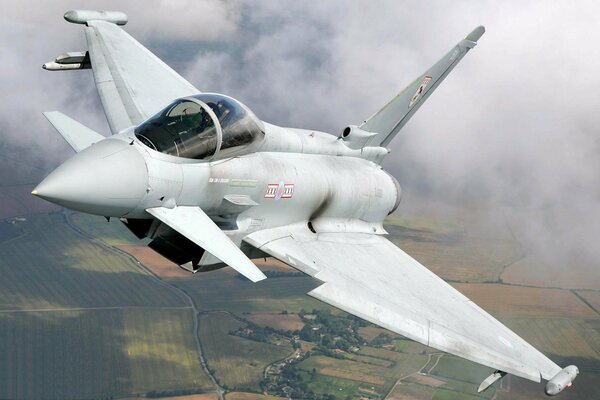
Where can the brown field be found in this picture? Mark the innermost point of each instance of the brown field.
(525, 301)
(558, 336)
(165, 268)
(203, 396)
(371, 332)
(458, 257)
(427, 380)
(272, 264)
(411, 391)
(154, 261)
(457, 243)
(380, 353)
(355, 370)
(284, 322)
(370, 360)
(574, 275)
(249, 396)
(592, 297)
(347, 369)
(238, 362)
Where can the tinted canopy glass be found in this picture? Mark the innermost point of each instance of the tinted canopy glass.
(239, 125)
(184, 129)
(201, 126)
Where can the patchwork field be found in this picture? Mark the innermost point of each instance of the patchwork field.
(98, 353)
(560, 337)
(411, 391)
(111, 232)
(52, 267)
(101, 320)
(380, 377)
(592, 298)
(371, 332)
(203, 396)
(338, 387)
(285, 322)
(221, 290)
(238, 363)
(525, 301)
(249, 396)
(538, 271)
(457, 256)
(80, 321)
(156, 263)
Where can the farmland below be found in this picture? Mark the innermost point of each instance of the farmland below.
(83, 301)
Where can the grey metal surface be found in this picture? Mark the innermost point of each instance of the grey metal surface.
(368, 276)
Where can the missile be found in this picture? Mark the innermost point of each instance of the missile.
(54, 66)
(69, 61)
(562, 380)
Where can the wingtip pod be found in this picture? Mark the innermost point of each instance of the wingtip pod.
(476, 34)
(562, 380)
(83, 16)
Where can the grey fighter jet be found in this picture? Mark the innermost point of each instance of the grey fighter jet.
(212, 186)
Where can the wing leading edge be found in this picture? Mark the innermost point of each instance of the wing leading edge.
(390, 119)
(133, 83)
(368, 276)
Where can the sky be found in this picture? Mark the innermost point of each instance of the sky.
(514, 126)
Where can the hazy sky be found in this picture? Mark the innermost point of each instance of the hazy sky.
(515, 123)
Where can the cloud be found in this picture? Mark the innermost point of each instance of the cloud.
(515, 124)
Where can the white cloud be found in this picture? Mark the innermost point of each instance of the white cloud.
(516, 122)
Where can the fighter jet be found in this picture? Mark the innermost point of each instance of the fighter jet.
(212, 185)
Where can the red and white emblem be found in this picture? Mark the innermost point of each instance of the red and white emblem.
(279, 191)
(271, 192)
(419, 91)
(288, 191)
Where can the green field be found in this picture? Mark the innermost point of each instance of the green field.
(561, 337)
(238, 363)
(80, 321)
(52, 267)
(112, 232)
(221, 290)
(382, 376)
(455, 368)
(338, 387)
(98, 353)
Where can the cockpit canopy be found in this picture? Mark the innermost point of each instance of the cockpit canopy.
(202, 127)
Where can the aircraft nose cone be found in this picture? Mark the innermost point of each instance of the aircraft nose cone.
(108, 178)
